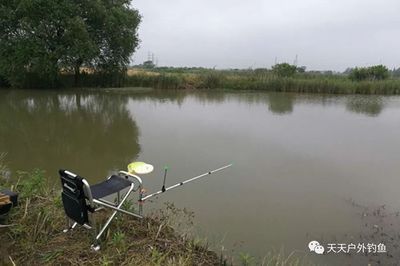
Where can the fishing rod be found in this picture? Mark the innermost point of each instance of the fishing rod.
(164, 189)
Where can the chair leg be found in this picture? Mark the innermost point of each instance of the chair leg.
(69, 225)
(140, 208)
(95, 246)
(114, 213)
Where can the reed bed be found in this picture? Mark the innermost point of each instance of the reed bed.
(259, 80)
(235, 79)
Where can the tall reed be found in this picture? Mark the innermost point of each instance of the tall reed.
(261, 80)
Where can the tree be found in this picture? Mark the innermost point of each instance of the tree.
(301, 69)
(284, 70)
(358, 74)
(41, 38)
(378, 72)
(149, 64)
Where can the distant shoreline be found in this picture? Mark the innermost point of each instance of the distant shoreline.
(257, 80)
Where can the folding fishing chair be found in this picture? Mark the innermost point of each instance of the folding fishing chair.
(81, 200)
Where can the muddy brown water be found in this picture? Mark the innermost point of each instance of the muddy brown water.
(298, 159)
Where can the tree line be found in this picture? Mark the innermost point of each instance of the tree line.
(42, 40)
(378, 72)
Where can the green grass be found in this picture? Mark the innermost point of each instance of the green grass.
(235, 79)
(258, 80)
(36, 237)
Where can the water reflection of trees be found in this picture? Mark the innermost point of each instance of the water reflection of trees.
(156, 96)
(278, 103)
(281, 103)
(89, 133)
(206, 97)
(368, 105)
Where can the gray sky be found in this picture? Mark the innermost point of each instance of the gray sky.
(325, 34)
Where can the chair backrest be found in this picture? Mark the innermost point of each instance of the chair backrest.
(74, 197)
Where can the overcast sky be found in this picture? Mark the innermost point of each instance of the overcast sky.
(325, 34)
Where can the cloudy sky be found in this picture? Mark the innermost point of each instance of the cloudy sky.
(325, 34)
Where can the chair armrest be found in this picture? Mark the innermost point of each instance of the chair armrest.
(135, 177)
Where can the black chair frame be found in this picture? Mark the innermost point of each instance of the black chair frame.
(81, 201)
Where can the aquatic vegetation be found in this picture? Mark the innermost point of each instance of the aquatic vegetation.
(246, 259)
(279, 257)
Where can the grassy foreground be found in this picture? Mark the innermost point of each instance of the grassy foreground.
(35, 236)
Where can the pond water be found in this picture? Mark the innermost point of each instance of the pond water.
(298, 159)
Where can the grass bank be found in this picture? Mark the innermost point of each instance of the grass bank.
(257, 80)
(249, 79)
(35, 236)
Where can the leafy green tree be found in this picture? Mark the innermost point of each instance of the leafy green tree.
(378, 72)
(358, 74)
(301, 69)
(41, 38)
(284, 70)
